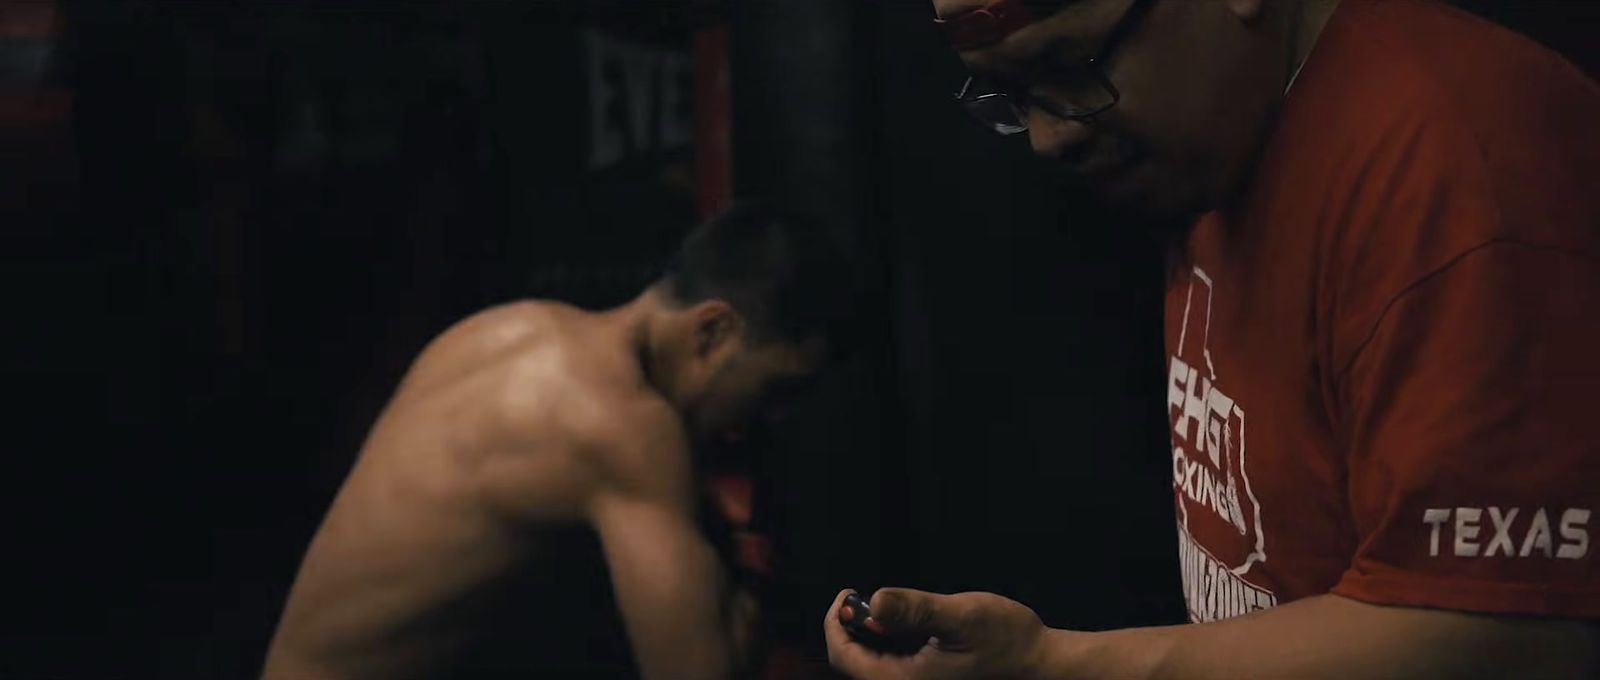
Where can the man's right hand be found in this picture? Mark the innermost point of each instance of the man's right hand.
(970, 635)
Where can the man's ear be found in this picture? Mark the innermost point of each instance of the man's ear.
(716, 325)
(1246, 10)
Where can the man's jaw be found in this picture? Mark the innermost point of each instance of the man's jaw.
(1134, 191)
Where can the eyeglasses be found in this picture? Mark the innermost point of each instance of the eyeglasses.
(1069, 92)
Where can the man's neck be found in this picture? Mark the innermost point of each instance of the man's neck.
(634, 322)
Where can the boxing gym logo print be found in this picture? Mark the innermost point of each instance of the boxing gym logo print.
(1219, 534)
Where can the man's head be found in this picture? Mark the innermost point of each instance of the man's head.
(1157, 105)
(755, 303)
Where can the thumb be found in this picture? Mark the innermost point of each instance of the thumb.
(903, 611)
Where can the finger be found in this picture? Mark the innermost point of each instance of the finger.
(903, 611)
(853, 659)
(863, 663)
(833, 611)
(832, 630)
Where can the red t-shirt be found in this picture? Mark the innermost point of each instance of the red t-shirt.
(1384, 363)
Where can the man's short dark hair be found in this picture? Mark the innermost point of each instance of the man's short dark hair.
(791, 280)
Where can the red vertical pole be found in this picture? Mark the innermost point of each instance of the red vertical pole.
(713, 168)
(713, 117)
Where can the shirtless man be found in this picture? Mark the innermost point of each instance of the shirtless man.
(538, 417)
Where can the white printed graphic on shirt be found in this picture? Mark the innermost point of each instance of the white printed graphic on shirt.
(1472, 532)
(1220, 536)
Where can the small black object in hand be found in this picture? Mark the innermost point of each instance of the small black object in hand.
(856, 625)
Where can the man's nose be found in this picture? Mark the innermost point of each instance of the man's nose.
(1054, 137)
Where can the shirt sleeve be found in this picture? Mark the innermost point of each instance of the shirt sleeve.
(1473, 418)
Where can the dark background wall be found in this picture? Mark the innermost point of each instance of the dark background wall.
(226, 227)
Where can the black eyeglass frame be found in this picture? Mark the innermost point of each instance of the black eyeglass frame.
(1019, 101)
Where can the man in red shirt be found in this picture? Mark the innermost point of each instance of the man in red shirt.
(1382, 336)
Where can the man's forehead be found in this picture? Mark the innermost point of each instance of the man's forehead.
(973, 24)
(947, 9)
(1049, 26)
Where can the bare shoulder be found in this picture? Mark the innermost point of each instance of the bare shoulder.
(484, 337)
(638, 434)
(634, 441)
(551, 361)
(560, 407)
(530, 370)
(599, 438)
(490, 409)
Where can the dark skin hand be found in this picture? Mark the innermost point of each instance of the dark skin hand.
(982, 635)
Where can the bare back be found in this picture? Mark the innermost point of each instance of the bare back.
(481, 449)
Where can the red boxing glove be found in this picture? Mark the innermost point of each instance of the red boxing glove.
(732, 497)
